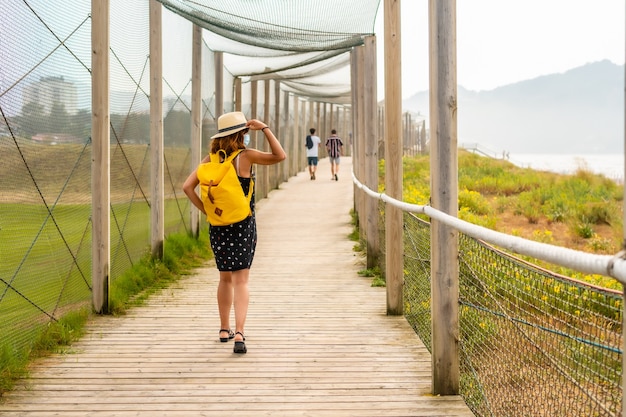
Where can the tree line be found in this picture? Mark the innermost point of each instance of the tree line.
(133, 127)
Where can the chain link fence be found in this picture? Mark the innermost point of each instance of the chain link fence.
(45, 141)
(45, 128)
(533, 343)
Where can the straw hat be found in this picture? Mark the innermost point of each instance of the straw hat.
(230, 123)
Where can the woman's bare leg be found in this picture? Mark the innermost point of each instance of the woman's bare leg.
(242, 299)
(225, 298)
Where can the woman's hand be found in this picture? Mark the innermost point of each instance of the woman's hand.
(276, 154)
(255, 124)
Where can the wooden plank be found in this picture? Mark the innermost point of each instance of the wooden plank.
(196, 119)
(157, 170)
(370, 147)
(218, 62)
(319, 340)
(444, 248)
(394, 265)
(100, 155)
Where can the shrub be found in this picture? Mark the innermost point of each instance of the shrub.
(583, 229)
(182, 253)
(474, 202)
(600, 245)
(598, 213)
(485, 221)
(544, 236)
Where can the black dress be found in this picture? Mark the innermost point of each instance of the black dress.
(233, 245)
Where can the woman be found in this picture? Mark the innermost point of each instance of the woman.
(233, 245)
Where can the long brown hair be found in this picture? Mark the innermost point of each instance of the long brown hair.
(229, 143)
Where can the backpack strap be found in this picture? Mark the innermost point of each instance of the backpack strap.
(217, 158)
(237, 165)
(220, 156)
(249, 196)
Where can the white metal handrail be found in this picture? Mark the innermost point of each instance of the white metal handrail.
(608, 265)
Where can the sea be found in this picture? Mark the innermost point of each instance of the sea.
(609, 165)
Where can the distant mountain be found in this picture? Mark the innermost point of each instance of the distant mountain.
(579, 111)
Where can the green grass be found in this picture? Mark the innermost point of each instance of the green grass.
(52, 337)
(182, 254)
(488, 186)
(378, 279)
(587, 205)
(45, 258)
(376, 274)
(28, 238)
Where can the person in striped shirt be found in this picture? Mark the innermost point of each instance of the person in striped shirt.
(334, 146)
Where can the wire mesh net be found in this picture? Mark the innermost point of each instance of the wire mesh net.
(533, 343)
(45, 129)
(45, 140)
(45, 197)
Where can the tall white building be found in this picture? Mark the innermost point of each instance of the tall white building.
(50, 90)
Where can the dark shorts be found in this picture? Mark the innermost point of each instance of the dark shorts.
(234, 245)
(312, 160)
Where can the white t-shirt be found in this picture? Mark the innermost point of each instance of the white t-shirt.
(316, 143)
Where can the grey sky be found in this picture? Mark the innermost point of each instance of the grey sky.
(504, 41)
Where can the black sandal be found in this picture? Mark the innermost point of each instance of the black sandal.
(231, 335)
(240, 346)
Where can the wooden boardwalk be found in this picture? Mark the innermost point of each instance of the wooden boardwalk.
(319, 341)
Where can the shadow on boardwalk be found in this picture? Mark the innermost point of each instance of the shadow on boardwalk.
(319, 341)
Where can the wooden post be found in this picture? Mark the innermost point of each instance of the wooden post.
(624, 289)
(276, 168)
(444, 197)
(283, 168)
(331, 120)
(406, 131)
(394, 261)
(237, 93)
(347, 127)
(296, 142)
(277, 127)
(100, 168)
(305, 129)
(381, 121)
(370, 138)
(312, 119)
(157, 206)
(359, 141)
(318, 124)
(323, 119)
(355, 86)
(219, 84)
(353, 107)
(423, 137)
(254, 109)
(196, 118)
(264, 169)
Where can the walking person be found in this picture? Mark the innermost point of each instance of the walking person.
(312, 147)
(334, 146)
(233, 245)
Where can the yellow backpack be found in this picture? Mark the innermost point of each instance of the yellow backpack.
(220, 190)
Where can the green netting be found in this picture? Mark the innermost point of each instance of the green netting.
(283, 25)
(305, 44)
(45, 197)
(45, 142)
